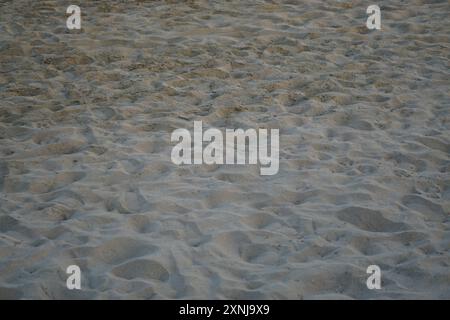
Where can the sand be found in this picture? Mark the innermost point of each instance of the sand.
(85, 170)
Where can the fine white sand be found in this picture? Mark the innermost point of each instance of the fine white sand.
(85, 170)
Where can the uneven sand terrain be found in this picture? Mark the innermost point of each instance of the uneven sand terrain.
(86, 176)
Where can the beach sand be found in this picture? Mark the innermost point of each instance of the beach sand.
(86, 176)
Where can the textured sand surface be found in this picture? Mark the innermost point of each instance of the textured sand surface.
(85, 170)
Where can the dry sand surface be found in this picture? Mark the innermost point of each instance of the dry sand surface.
(86, 176)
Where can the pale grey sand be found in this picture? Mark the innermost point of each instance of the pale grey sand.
(85, 170)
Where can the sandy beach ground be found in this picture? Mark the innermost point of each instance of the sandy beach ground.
(86, 176)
